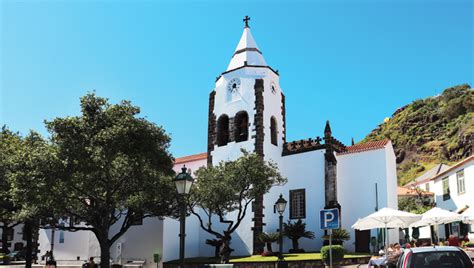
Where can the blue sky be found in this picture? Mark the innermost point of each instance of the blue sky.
(352, 62)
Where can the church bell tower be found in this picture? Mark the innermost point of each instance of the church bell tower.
(246, 111)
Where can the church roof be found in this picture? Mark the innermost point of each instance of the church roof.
(190, 158)
(368, 146)
(246, 53)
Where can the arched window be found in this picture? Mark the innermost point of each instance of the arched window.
(273, 131)
(241, 126)
(222, 130)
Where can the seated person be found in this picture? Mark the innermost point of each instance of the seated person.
(382, 251)
(392, 257)
(453, 241)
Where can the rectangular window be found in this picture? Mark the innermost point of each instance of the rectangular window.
(10, 234)
(427, 187)
(297, 204)
(61, 237)
(137, 219)
(460, 181)
(446, 195)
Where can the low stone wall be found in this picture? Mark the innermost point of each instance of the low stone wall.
(291, 264)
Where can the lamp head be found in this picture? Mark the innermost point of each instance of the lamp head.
(280, 204)
(183, 181)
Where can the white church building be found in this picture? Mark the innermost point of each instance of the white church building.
(247, 110)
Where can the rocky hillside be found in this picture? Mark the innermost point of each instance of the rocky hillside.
(435, 130)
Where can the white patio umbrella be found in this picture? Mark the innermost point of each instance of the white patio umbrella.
(468, 216)
(436, 216)
(386, 218)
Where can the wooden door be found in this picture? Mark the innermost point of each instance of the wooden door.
(362, 241)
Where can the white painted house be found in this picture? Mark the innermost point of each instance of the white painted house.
(15, 241)
(453, 190)
(247, 110)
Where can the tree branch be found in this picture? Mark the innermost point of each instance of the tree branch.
(239, 220)
(201, 222)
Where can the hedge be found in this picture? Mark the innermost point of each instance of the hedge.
(337, 253)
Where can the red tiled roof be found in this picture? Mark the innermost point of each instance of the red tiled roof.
(190, 158)
(368, 146)
(405, 191)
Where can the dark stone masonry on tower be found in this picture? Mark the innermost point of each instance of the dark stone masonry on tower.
(330, 168)
(259, 138)
(211, 128)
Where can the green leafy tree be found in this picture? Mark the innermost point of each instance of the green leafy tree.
(295, 231)
(268, 239)
(224, 192)
(116, 170)
(418, 203)
(31, 173)
(9, 145)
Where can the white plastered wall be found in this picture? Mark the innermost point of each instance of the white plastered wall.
(358, 173)
(457, 200)
(303, 171)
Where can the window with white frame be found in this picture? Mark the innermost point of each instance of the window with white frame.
(297, 204)
(446, 195)
(460, 181)
(427, 187)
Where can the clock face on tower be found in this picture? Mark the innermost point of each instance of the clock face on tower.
(233, 85)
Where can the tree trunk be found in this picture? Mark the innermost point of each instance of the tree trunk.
(5, 237)
(102, 235)
(104, 253)
(217, 249)
(225, 249)
(28, 229)
(295, 243)
(269, 247)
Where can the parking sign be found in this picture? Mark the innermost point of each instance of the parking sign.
(329, 218)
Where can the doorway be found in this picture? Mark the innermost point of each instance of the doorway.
(362, 241)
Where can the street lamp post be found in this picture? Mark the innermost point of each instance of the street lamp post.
(183, 182)
(280, 207)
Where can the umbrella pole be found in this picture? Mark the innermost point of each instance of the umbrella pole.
(437, 234)
(431, 235)
(386, 240)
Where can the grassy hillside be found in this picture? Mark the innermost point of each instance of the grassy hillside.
(438, 129)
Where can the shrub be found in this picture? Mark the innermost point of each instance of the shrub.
(337, 253)
(469, 245)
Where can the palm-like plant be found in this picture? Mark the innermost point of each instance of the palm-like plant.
(338, 236)
(295, 231)
(268, 239)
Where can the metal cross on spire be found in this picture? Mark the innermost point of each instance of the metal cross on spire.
(246, 20)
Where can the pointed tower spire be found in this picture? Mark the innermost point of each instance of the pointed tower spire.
(352, 142)
(247, 51)
(327, 129)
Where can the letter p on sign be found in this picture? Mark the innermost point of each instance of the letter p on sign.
(329, 218)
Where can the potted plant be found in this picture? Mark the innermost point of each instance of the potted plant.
(268, 239)
(295, 231)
